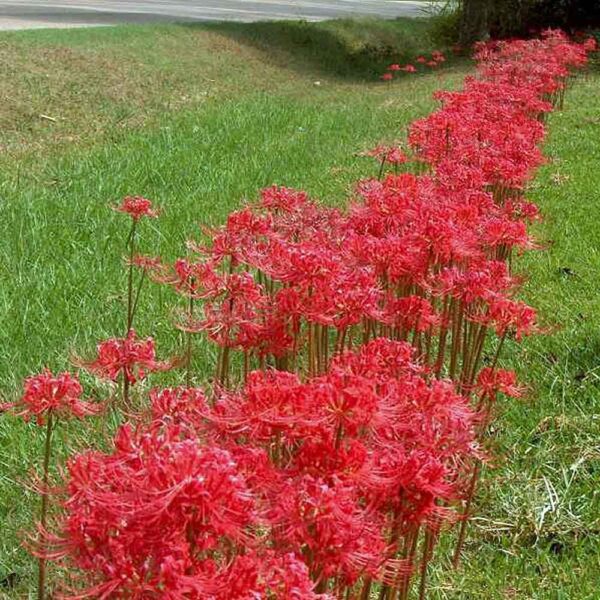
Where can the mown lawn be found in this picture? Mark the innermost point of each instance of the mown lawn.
(199, 118)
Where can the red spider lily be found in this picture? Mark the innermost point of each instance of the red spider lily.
(491, 381)
(268, 574)
(47, 397)
(508, 316)
(326, 519)
(228, 243)
(137, 207)
(411, 313)
(590, 45)
(380, 360)
(60, 395)
(394, 67)
(187, 406)
(232, 319)
(141, 261)
(345, 448)
(192, 279)
(163, 514)
(387, 77)
(289, 579)
(351, 452)
(272, 404)
(283, 199)
(132, 357)
(157, 495)
(409, 69)
(390, 154)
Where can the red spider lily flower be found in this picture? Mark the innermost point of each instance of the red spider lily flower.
(348, 403)
(394, 67)
(346, 458)
(409, 69)
(268, 575)
(387, 77)
(410, 313)
(233, 318)
(432, 63)
(421, 59)
(510, 316)
(327, 518)
(590, 45)
(491, 381)
(187, 406)
(283, 198)
(344, 300)
(130, 356)
(61, 395)
(289, 579)
(190, 278)
(345, 449)
(390, 154)
(380, 360)
(137, 207)
(272, 404)
(229, 243)
(274, 334)
(438, 56)
(141, 261)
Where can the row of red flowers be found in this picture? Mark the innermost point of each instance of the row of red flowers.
(357, 373)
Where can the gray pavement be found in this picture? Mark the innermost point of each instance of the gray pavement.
(28, 14)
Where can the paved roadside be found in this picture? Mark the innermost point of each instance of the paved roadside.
(28, 14)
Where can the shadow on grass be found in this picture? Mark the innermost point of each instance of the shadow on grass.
(353, 49)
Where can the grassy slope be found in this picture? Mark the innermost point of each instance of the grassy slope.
(98, 82)
(198, 118)
(255, 116)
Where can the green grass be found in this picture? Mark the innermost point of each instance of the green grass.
(199, 118)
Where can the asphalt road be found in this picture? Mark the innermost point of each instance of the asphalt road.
(25, 14)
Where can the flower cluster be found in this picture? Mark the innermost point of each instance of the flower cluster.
(346, 422)
(284, 486)
(437, 58)
(167, 514)
(419, 257)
